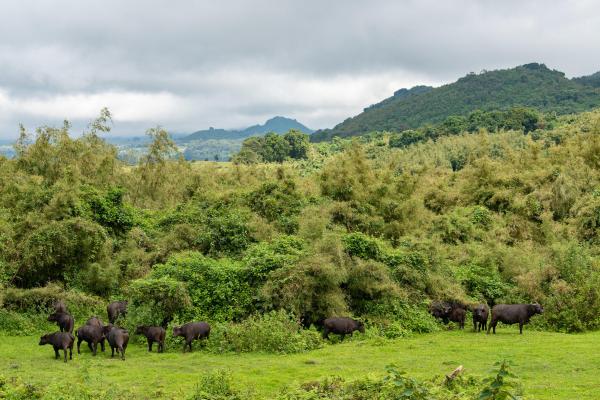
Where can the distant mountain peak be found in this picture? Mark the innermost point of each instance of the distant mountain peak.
(277, 124)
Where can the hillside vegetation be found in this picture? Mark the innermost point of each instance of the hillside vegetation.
(355, 228)
(531, 85)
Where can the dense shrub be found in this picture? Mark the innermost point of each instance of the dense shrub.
(273, 332)
(216, 288)
(156, 301)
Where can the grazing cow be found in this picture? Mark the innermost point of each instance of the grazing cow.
(59, 340)
(60, 307)
(153, 334)
(118, 338)
(191, 331)
(116, 309)
(449, 311)
(480, 317)
(95, 321)
(513, 314)
(92, 334)
(64, 321)
(341, 326)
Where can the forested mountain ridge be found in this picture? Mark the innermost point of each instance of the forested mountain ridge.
(531, 85)
(276, 124)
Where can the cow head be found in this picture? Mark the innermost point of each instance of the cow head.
(479, 310)
(440, 309)
(140, 329)
(360, 326)
(44, 339)
(177, 331)
(107, 328)
(536, 308)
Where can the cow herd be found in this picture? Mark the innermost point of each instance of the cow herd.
(94, 332)
(506, 313)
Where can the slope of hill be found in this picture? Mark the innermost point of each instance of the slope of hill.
(277, 124)
(531, 85)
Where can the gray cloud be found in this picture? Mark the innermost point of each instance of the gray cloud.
(188, 65)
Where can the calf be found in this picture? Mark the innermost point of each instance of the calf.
(153, 334)
(59, 340)
(458, 315)
(92, 334)
(118, 338)
(480, 317)
(64, 321)
(341, 326)
(513, 314)
(116, 309)
(191, 331)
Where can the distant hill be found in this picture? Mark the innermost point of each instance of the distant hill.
(590, 80)
(277, 124)
(531, 85)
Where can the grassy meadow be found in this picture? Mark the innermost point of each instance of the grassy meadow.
(549, 365)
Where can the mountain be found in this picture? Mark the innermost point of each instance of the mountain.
(590, 80)
(531, 85)
(277, 124)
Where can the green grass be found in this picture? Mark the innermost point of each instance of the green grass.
(550, 365)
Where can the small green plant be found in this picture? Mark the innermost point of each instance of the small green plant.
(502, 386)
(409, 388)
(216, 385)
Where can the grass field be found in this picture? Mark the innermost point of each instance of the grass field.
(550, 365)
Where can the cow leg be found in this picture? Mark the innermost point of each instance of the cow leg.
(113, 351)
(122, 353)
(71, 351)
(150, 345)
(94, 348)
(78, 345)
(326, 333)
(56, 353)
(521, 328)
(65, 350)
(190, 345)
(90, 346)
(343, 336)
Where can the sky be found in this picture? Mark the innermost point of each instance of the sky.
(189, 65)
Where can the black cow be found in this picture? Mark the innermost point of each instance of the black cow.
(341, 326)
(513, 314)
(64, 321)
(191, 331)
(440, 310)
(449, 311)
(95, 321)
(480, 317)
(92, 334)
(153, 334)
(118, 338)
(59, 340)
(116, 309)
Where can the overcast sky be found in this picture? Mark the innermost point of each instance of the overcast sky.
(188, 65)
